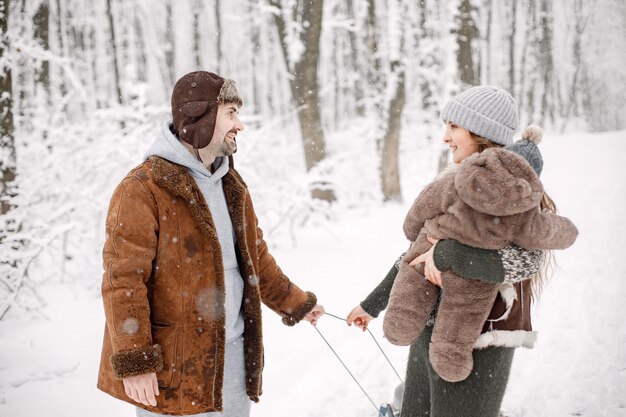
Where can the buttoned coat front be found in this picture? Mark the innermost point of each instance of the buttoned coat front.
(163, 288)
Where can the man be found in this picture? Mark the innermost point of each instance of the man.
(186, 268)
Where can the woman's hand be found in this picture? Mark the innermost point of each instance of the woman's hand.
(359, 317)
(431, 272)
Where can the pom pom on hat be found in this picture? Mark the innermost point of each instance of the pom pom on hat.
(533, 133)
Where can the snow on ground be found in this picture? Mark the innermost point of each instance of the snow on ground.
(578, 368)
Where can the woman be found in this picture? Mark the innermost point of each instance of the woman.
(479, 118)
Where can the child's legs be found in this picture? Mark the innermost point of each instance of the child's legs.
(465, 305)
(411, 301)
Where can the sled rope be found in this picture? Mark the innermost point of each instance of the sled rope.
(377, 344)
(346, 367)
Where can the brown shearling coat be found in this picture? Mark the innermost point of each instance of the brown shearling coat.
(491, 201)
(163, 289)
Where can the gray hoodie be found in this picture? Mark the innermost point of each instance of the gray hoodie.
(167, 146)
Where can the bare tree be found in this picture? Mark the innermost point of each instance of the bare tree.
(374, 68)
(466, 32)
(390, 166)
(581, 24)
(116, 71)
(7, 140)
(390, 170)
(354, 60)
(41, 28)
(170, 66)
(255, 44)
(512, 47)
(196, 12)
(487, 42)
(547, 65)
(304, 80)
(218, 34)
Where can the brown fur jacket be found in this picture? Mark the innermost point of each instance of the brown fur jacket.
(491, 201)
(163, 288)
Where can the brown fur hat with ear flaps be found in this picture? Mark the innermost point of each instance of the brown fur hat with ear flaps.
(195, 99)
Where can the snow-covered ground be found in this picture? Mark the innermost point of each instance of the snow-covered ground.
(578, 367)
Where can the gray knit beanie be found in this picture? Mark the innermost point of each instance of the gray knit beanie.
(527, 147)
(485, 111)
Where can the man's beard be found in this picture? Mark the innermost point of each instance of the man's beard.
(227, 150)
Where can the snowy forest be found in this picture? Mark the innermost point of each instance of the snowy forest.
(85, 83)
(341, 103)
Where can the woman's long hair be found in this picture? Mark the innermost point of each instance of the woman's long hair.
(547, 205)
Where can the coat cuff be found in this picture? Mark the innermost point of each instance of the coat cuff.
(300, 312)
(137, 361)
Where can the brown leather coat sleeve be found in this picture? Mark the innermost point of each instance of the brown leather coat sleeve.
(277, 291)
(130, 247)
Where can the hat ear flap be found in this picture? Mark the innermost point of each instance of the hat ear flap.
(195, 109)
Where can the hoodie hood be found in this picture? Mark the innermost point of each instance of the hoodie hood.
(498, 182)
(167, 146)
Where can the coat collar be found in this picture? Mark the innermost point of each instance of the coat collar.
(177, 180)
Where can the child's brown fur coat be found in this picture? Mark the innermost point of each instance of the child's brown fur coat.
(491, 200)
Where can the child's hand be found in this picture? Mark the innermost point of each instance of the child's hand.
(359, 317)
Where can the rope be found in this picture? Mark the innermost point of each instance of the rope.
(344, 365)
(377, 344)
(348, 370)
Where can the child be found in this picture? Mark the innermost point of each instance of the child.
(490, 200)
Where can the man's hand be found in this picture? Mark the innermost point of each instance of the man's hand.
(317, 312)
(142, 388)
(359, 317)
(431, 272)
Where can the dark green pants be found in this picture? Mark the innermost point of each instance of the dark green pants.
(480, 395)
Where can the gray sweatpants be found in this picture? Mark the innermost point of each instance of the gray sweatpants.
(235, 400)
(480, 395)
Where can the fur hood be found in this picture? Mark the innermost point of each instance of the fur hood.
(498, 182)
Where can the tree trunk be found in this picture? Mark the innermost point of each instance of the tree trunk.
(7, 141)
(375, 82)
(142, 66)
(218, 41)
(196, 13)
(512, 48)
(354, 61)
(488, 43)
(527, 75)
(169, 44)
(255, 43)
(116, 72)
(581, 23)
(371, 41)
(547, 109)
(60, 28)
(304, 84)
(425, 85)
(465, 35)
(41, 26)
(390, 171)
